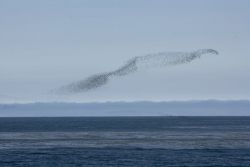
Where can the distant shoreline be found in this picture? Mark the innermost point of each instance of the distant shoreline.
(117, 109)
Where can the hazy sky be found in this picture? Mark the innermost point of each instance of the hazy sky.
(47, 44)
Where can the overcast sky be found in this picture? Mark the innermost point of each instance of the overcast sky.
(47, 44)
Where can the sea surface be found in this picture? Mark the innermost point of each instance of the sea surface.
(125, 141)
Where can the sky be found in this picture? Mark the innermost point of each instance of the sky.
(47, 44)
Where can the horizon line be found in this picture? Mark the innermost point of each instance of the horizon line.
(125, 101)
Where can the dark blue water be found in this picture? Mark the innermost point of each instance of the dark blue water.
(125, 141)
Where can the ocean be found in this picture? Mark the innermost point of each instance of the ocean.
(125, 141)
